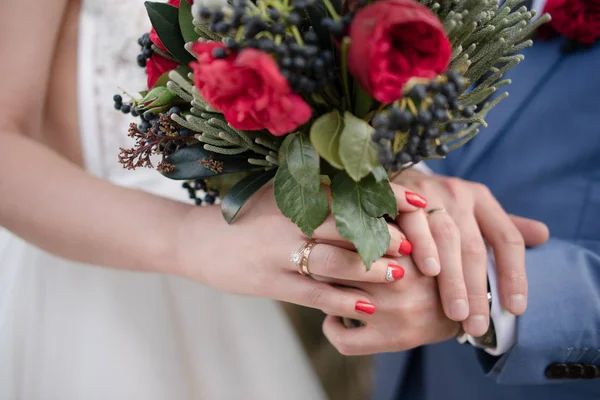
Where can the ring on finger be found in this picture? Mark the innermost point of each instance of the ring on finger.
(300, 257)
(432, 211)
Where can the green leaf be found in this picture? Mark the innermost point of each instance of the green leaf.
(357, 151)
(283, 149)
(194, 162)
(306, 208)
(362, 101)
(186, 25)
(157, 97)
(241, 192)
(380, 174)
(370, 235)
(377, 198)
(325, 135)
(303, 161)
(165, 20)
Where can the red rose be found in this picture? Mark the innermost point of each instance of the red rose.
(156, 66)
(154, 36)
(576, 19)
(393, 41)
(248, 89)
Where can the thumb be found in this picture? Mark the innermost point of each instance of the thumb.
(535, 233)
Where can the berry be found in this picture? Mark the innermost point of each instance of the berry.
(219, 52)
(198, 201)
(125, 109)
(418, 93)
(118, 106)
(450, 127)
(134, 112)
(147, 53)
(174, 110)
(468, 112)
(205, 13)
(442, 150)
(231, 44)
(209, 199)
(144, 126)
(293, 18)
(146, 41)
(311, 37)
(278, 28)
(449, 90)
(431, 132)
(434, 86)
(184, 132)
(185, 185)
(141, 60)
(403, 158)
(274, 14)
(380, 121)
(440, 115)
(440, 101)
(457, 80)
(117, 98)
(148, 116)
(400, 119)
(424, 117)
(385, 155)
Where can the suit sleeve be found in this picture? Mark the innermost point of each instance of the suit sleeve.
(562, 321)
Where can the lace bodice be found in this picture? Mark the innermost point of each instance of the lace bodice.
(107, 62)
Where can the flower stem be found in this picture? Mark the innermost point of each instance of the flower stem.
(331, 9)
(297, 35)
(344, 51)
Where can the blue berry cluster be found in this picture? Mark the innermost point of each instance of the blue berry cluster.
(306, 66)
(199, 192)
(436, 104)
(146, 51)
(123, 107)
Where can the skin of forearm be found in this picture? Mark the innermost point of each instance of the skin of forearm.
(55, 205)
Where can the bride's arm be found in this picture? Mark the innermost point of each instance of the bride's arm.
(46, 199)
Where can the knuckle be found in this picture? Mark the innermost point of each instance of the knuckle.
(511, 238)
(482, 189)
(331, 263)
(454, 187)
(514, 278)
(478, 303)
(445, 229)
(473, 249)
(342, 347)
(315, 297)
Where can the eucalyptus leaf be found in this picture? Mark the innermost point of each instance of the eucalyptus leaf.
(303, 161)
(194, 162)
(369, 235)
(165, 20)
(186, 25)
(357, 151)
(164, 78)
(306, 208)
(325, 135)
(242, 191)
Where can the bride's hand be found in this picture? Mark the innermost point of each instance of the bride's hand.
(252, 257)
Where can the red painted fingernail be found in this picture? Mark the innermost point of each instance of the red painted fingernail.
(416, 200)
(364, 307)
(394, 272)
(405, 247)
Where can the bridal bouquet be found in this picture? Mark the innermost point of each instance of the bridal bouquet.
(318, 93)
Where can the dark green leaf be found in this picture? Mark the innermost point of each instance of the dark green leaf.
(380, 174)
(241, 192)
(362, 101)
(194, 162)
(370, 235)
(303, 161)
(165, 20)
(185, 22)
(377, 198)
(325, 137)
(357, 151)
(283, 149)
(306, 208)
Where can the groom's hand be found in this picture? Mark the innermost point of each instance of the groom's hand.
(473, 216)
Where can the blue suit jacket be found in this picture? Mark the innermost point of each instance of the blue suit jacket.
(541, 158)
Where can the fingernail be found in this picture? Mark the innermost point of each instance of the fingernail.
(416, 200)
(478, 325)
(394, 272)
(431, 267)
(459, 310)
(517, 303)
(405, 247)
(364, 307)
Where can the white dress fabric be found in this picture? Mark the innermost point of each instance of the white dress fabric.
(76, 332)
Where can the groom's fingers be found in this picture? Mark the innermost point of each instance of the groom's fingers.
(356, 341)
(535, 233)
(509, 252)
(474, 261)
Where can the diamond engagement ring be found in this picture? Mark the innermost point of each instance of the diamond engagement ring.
(300, 257)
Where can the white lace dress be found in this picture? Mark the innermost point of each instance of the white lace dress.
(76, 332)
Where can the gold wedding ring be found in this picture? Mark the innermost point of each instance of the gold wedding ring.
(434, 210)
(300, 257)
